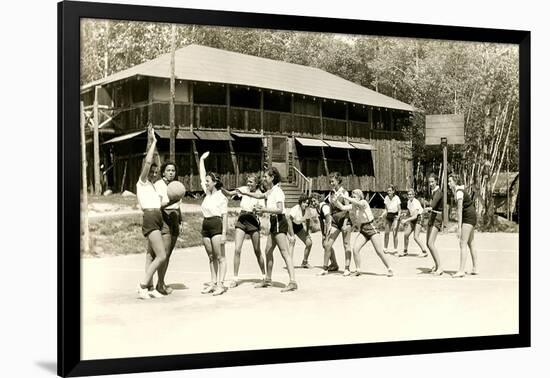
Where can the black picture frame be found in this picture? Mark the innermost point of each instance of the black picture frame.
(69, 361)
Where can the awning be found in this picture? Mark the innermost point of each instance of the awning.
(307, 142)
(338, 144)
(181, 134)
(214, 135)
(363, 146)
(125, 137)
(245, 135)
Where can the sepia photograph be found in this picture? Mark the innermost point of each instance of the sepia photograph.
(248, 189)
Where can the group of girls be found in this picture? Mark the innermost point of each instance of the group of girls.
(338, 213)
(466, 214)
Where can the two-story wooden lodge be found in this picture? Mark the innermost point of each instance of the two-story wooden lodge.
(250, 112)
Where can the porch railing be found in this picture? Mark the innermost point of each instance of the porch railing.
(302, 181)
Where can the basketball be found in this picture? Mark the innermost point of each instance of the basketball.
(175, 190)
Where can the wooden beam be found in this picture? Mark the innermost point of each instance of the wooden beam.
(235, 163)
(347, 122)
(350, 163)
(172, 106)
(97, 174)
(197, 159)
(325, 164)
(192, 107)
(371, 123)
(227, 106)
(262, 112)
(321, 118)
(84, 209)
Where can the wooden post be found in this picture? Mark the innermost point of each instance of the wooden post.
(235, 163)
(369, 134)
(321, 119)
(84, 208)
(262, 112)
(227, 107)
(124, 176)
(325, 164)
(97, 174)
(191, 106)
(173, 95)
(351, 163)
(444, 179)
(197, 158)
(347, 122)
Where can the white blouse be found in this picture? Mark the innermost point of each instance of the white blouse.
(275, 195)
(297, 216)
(360, 215)
(148, 197)
(248, 203)
(214, 204)
(414, 206)
(393, 204)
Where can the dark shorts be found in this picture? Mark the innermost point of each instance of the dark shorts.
(152, 220)
(436, 220)
(390, 217)
(248, 222)
(278, 224)
(469, 215)
(367, 230)
(339, 219)
(416, 221)
(297, 227)
(171, 222)
(211, 227)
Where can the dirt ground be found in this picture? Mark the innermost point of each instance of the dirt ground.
(325, 310)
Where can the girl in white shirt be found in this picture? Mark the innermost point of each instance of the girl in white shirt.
(392, 210)
(248, 223)
(361, 216)
(413, 223)
(278, 226)
(150, 203)
(299, 217)
(214, 228)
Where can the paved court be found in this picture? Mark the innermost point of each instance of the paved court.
(325, 310)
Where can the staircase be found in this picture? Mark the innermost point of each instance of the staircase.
(292, 193)
(293, 190)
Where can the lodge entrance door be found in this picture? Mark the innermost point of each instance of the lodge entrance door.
(279, 155)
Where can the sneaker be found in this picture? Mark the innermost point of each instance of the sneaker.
(305, 265)
(219, 290)
(143, 293)
(423, 254)
(323, 272)
(155, 294)
(263, 283)
(292, 286)
(389, 273)
(403, 254)
(233, 283)
(333, 268)
(346, 272)
(356, 273)
(385, 250)
(209, 288)
(164, 290)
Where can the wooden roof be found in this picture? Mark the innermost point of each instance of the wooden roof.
(201, 63)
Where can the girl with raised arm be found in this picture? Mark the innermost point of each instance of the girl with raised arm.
(214, 228)
(299, 217)
(362, 218)
(150, 202)
(278, 229)
(248, 223)
(435, 222)
(413, 224)
(467, 219)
